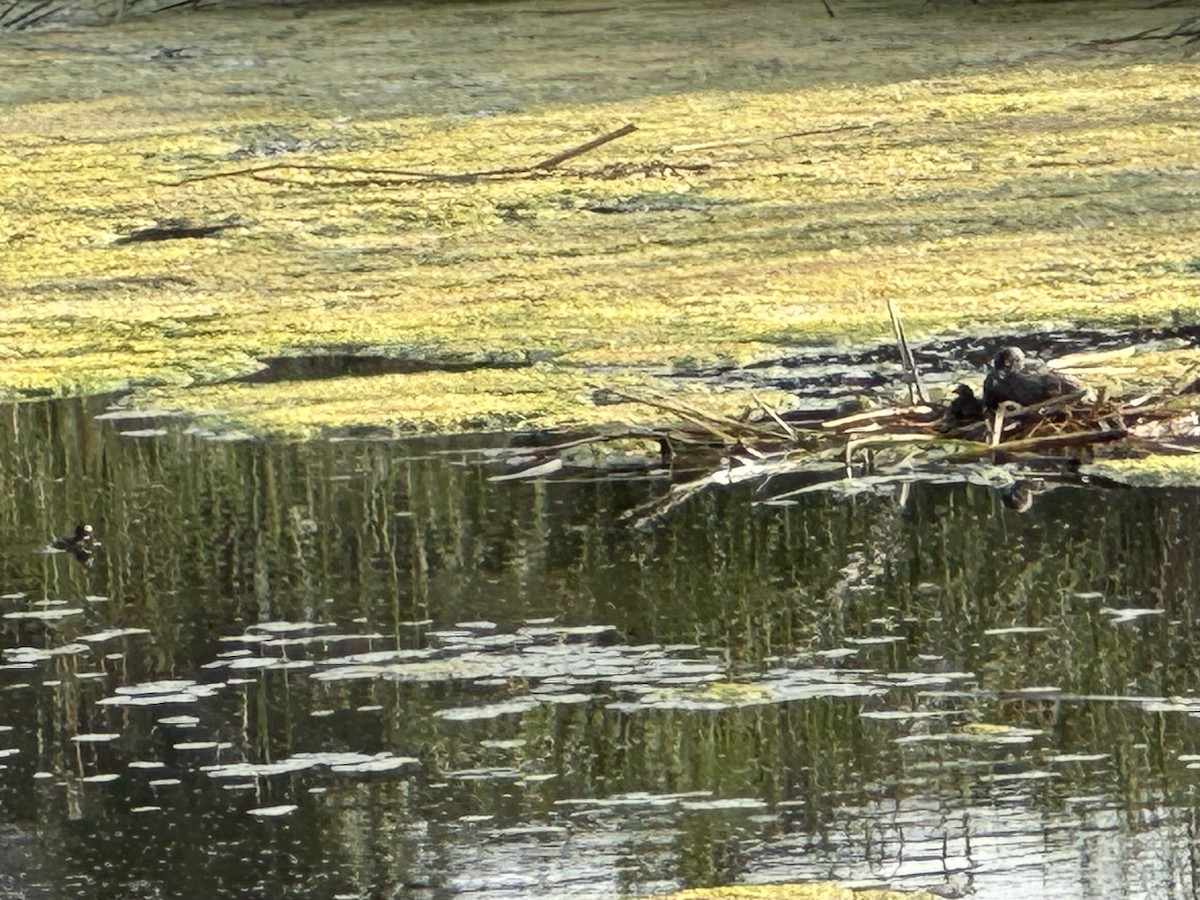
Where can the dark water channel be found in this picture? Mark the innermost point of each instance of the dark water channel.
(360, 669)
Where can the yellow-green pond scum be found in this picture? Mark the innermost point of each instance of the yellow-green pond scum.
(790, 173)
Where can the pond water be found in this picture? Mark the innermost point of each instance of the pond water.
(360, 668)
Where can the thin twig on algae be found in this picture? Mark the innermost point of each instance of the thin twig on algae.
(546, 164)
(1188, 28)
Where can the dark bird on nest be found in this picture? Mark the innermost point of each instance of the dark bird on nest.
(1024, 381)
(965, 407)
(81, 545)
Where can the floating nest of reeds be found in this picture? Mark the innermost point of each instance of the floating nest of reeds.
(1017, 449)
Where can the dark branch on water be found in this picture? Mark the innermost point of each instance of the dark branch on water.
(411, 175)
(29, 17)
(171, 231)
(557, 158)
(1189, 29)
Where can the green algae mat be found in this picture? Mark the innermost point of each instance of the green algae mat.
(985, 166)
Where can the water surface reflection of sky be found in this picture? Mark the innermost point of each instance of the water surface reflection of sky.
(360, 668)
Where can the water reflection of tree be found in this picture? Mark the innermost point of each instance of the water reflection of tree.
(203, 538)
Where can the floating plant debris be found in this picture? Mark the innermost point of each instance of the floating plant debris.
(491, 711)
(1063, 759)
(1008, 777)
(71, 649)
(986, 729)
(552, 698)
(1033, 434)
(1189, 705)
(1130, 614)
(503, 744)
(379, 657)
(258, 770)
(778, 686)
(720, 804)
(111, 634)
(121, 415)
(578, 663)
(1015, 630)
(564, 633)
(634, 798)
(247, 663)
(46, 614)
(27, 655)
(180, 721)
(382, 762)
(273, 812)
(1003, 737)
(341, 763)
(159, 693)
(286, 627)
(158, 687)
(245, 638)
(324, 639)
(495, 773)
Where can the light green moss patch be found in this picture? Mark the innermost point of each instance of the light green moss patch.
(982, 197)
(535, 398)
(1151, 471)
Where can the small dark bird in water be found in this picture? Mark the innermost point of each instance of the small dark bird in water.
(81, 545)
(965, 407)
(1024, 381)
(1018, 496)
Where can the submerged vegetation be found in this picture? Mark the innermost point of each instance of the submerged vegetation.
(981, 165)
(423, 676)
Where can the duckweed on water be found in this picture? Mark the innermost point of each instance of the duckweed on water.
(984, 188)
(272, 812)
(1158, 470)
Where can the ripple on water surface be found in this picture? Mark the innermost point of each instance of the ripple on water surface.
(508, 691)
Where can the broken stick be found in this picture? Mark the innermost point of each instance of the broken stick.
(385, 176)
(916, 389)
(557, 158)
